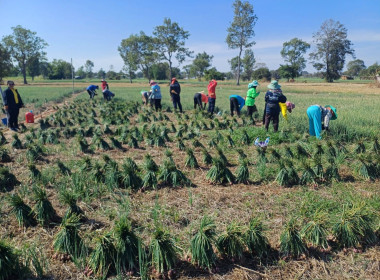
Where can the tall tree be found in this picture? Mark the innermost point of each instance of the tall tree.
(60, 69)
(24, 46)
(201, 62)
(89, 65)
(241, 30)
(80, 72)
(235, 67)
(33, 68)
(332, 46)
(170, 42)
(101, 74)
(5, 62)
(248, 62)
(293, 52)
(354, 67)
(129, 52)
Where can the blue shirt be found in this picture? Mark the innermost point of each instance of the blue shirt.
(156, 92)
(92, 87)
(240, 100)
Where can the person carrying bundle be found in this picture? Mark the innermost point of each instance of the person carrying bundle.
(319, 118)
(199, 98)
(236, 104)
(251, 98)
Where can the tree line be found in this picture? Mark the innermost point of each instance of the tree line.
(153, 57)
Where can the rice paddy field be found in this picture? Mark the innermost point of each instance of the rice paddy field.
(115, 190)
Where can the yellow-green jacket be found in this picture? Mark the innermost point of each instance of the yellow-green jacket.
(251, 95)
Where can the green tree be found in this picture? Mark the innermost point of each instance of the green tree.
(287, 71)
(129, 52)
(354, 67)
(187, 70)
(332, 46)
(60, 69)
(170, 43)
(201, 62)
(80, 72)
(234, 66)
(45, 69)
(248, 62)
(212, 73)
(24, 46)
(33, 68)
(262, 73)
(5, 62)
(241, 30)
(160, 71)
(89, 65)
(371, 71)
(293, 52)
(101, 74)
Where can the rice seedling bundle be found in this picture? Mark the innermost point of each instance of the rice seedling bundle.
(206, 157)
(242, 172)
(16, 143)
(69, 198)
(219, 173)
(7, 179)
(201, 244)
(169, 174)
(255, 238)
(4, 156)
(43, 208)
(245, 138)
(191, 160)
(221, 155)
(9, 262)
(63, 168)
(308, 175)
(23, 213)
(291, 243)
(102, 259)
(231, 142)
(180, 145)
(231, 242)
(315, 230)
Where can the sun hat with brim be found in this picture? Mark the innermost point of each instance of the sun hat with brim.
(152, 83)
(255, 83)
(274, 85)
(335, 116)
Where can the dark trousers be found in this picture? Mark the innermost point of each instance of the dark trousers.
(12, 116)
(177, 101)
(251, 110)
(198, 101)
(211, 105)
(92, 93)
(234, 106)
(274, 116)
(157, 104)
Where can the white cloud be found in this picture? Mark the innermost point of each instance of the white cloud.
(364, 36)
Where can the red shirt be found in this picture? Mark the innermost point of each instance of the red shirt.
(104, 85)
(204, 98)
(211, 89)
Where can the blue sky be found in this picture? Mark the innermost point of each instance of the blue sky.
(93, 29)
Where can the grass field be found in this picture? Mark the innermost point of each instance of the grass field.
(307, 194)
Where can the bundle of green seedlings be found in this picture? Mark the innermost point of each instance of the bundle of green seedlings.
(10, 264)
(129, 175)
(7, 179)
(242, 172)
(170, 175)
(16, 143)
(231, 242)
(291, 243)
(255, 239)
(23, 213)
(191, 160)
(43, 209)
(150, 168)
(4, 156)
(219, 173)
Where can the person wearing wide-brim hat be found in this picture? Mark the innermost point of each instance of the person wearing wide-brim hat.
(319, 118)
(251, 98)
(155, 96)
(273, 97)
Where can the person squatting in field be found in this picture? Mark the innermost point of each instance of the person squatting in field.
(317, 115)
(175, 91)
(91, 89)
(107, 94)
(12, 104)
(199, 98)
(272, 108)
(236, 104)
(145, 97)
(211, 96)
(155, 96)
(251, 98)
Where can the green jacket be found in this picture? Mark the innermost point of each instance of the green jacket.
(251, 95)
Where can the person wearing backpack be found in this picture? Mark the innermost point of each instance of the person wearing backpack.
(272, 108)
(175, 90)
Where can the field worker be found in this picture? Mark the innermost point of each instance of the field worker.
(145, 97)
(155, 96)
(318, 115)
(272, 108)
(107, 94)
(251, 98)
(285, 108)
(175, 90)
(91, 89)
(236, 104)
(12, 104)
(199, 98)
(211, 96)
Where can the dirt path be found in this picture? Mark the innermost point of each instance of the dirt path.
(45, 113)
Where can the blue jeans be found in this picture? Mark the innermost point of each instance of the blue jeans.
(315, 121)
(211, 105)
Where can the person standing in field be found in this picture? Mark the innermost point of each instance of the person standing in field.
(251, 98)
(317, 115)
(91, 89)
(175, 90)
(156, 95)
(211, 96)
(199, 98)
(236, 104)
(272, 108)
(12, 104)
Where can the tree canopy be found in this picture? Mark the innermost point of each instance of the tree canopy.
(354, 67)
(332, 46)
(5, 62)
(241, 30)
(201, 62)
(24, 46)
(293, 52)
(170, 42)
